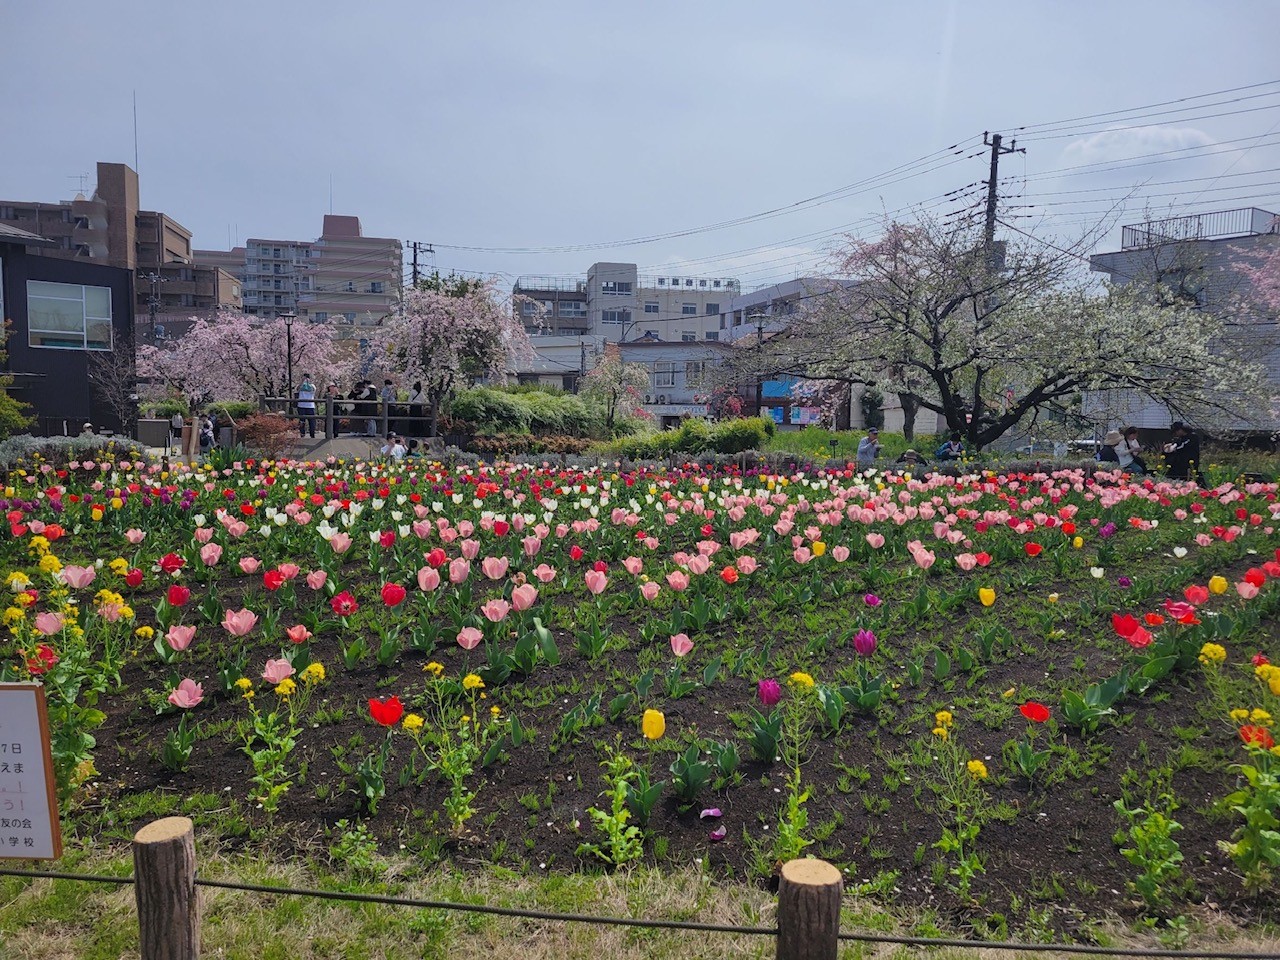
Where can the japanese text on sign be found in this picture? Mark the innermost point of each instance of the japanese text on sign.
(29, 827)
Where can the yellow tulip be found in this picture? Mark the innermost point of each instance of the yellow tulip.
(1078, 542)
(654, 725)
(1217, 584)
(819, 548)
(987, 596)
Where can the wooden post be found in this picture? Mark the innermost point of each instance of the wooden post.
(164, 872)
(809, 910)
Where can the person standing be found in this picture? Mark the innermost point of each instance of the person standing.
(1182, 454)
(307, 407)
(868, 449)
(369, 407)
(388, 397)
(206, 434)
(417, 399)
(175, 429)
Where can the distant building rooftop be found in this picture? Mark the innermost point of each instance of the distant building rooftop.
(1220, 225)
(13, 234)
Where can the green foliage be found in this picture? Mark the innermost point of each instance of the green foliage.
(871, 404)
(1153, 851)
(697, 436)
(355, 849)
(764, 733)
(13, 413)
(58, 451)
(789, 842)
(1255, 846)
(622, 841)
(689, 774)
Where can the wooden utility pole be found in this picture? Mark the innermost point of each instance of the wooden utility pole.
(164, 873)
(809, 910)
(993, 140)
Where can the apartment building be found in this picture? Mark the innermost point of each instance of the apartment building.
(342, 277)
(1197, 258)
(109, 228)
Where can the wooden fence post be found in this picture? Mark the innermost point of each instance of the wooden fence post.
(164, 875)
(809, 910)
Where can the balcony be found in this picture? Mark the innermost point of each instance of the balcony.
(1220, 225)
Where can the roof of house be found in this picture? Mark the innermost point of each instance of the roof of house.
(11, 234)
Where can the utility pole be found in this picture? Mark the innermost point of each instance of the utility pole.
(425, 248)
(152, 303)
(759, 319)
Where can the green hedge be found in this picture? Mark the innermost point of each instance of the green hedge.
(695, 436)
(527, 410)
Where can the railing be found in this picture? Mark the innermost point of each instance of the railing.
(333, 418)
(1247, 221)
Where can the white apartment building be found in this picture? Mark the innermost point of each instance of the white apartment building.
(343, 277)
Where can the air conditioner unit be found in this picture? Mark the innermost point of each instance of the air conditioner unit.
(662, 398)
(648, 398)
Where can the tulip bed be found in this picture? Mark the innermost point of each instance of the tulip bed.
(1015, 700)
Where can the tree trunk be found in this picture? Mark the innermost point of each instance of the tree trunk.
(809, 910)
(164, 870)
(909, 410)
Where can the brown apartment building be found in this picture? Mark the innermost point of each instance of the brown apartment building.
(110, 228)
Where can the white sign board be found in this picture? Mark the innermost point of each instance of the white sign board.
(29, 827)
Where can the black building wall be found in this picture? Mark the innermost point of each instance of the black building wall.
(55, 383)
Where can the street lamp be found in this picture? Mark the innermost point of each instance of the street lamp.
(288, 319)
(759, 319)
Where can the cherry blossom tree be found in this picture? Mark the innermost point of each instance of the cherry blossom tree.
(925, 310)
(450, 332)
(235, 356)
(619, 387)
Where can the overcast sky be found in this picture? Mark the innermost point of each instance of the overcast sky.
(538, 125)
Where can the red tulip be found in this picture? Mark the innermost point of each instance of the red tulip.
(133, 578)
(1196, 594)
(1257, 736)
(386, 538)
(1255, 576)
(178, 595)
(273, 580)
(392, 594)
(1035, 712)
(984, 559)
(436, 557)
(171, 563)
(501, 528)
(386, 712)
(1125, 624)
(344, 604)
(729, 575)
(575, 552)
(1032, 548)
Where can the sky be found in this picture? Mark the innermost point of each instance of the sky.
(502, 133)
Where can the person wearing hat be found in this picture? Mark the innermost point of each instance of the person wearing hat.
(1182, 454)
(869, 449)
(1128, 452)
(912, 459)
(1107, 452)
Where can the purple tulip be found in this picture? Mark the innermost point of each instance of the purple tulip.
(769, 692)
(871, 600)
(1107, 530)
(1124, 582)
(864, 642)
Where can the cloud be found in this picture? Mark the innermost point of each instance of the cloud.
(1123, 143)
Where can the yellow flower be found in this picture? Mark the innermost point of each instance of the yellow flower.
(313, 673)
(1078, 542)
(119, 566)
(96, 513)
(24, 599)
(653, 725)
(434, 668)
(987, 596)
(941, 733)
(38, 545)
(801, 680)
(144, 633)
(1053, 598)
(1217, 584)
(50, 564)
(819, 548)
(1238, 715)
(18, 581)
(116, 503)
(495, 710)
(977, 769)
(472, 682)
(13, 615)
(943, 718)
(1009, 693)
(412, 722)
(1213, 654)
(286, 687)
(243, 684)
(1260, 717)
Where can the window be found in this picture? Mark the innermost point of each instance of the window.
(376, 286)
(613, 316)
(322, 316)
(349, 317)
(688, 336)
(569, 382)
(652, 335)
(664, 374)
(702, 283)
(615, 288)
(529, 309)
(350, 287)
(716, 284)
(688, 283)
(651, 306)
(68, 316)
(573, 308)
(527, 379)
(713, 334)
(694, 371)
(712, 309)
(662, 281)
(689, 309)
(275, 253)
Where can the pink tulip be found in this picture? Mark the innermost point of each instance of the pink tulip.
(876, 540)
(210, 554)
(633, 565)
(1246, 590)
(495, 611)
(649, 590)
(47, 623)
(428, 579)
(316, 579)
(840, 554)
(289, 570)
(110, 612)
(681, 644)
(678, 581)
(495, 568)
(466, 528)
(179, 637)
(459, 570)
(966, 561)
(523, 597)
(596, 581)
(250, 565)
(78, 577)
(135, 536)
(802, 555)
(340, 542)
(544, 573)
(239, 622)
(698, 565)
(277, 670)
(531, 546)
(203, 534)
(298, 634)
(747, 565)
(237, 528)
(187, 694)
(469, 638)
(470, 549)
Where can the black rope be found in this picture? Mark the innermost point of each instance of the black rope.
(338, 895)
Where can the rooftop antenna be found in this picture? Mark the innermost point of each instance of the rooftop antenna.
(135, 131)
(82, 179)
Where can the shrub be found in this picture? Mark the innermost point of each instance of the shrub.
(735, 436)
(232, 410)
(268, 434)
(59, 451)
(491, 410)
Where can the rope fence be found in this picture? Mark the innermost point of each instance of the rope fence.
(636, 922)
